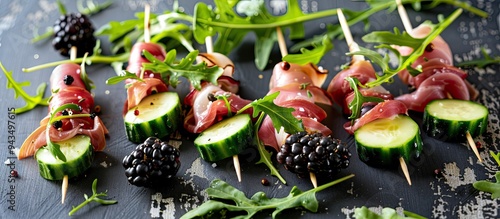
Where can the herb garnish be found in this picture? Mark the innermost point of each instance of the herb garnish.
(54, 148)
(481, 63)
(185, 67)
(31, 101)
(387, 213)
(487, 186)
(95, 197)
(388, 39)
(224, 197)
(310, 56)
(357, 102)
(282, 119)
(354, 17)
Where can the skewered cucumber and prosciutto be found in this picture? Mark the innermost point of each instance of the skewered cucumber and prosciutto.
(66, 139)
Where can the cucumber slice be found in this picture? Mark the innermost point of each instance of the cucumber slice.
(451, 119)
(226, 138)
(383, 141)
(78, 152)
(157, 115)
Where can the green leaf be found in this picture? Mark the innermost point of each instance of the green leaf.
(95, 197)
(281, 116)
(489, 187)
(31, 101)
(224, 197)
(310, 56)
(173, 69)
(265, 155)
(481, 63)
(357, 102)
(496, 157)
(387, 213)
(231, 28)
(387, 40)
(120, 78)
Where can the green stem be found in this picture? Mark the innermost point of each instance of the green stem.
(263, 152)
(92, 59)
(466, 6)
(299, 19)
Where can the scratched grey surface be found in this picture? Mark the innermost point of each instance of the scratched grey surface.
(451, 196)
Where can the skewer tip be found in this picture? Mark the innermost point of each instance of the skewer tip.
(405, 170)
(64, 188)
(314, 181)
(237, 168)
(473, 146)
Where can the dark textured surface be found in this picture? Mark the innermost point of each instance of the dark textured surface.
(450, 196)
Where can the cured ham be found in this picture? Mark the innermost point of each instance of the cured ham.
(298, 91)
(206, 109)
(386, 109)
(436, 60)
(339, 89)
(71, 90)
(137, 58)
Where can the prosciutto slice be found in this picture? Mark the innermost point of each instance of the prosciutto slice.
(38, 138)
(205, 110)
(386, 109)
(438, 86)
(138, 90)
(298, 91)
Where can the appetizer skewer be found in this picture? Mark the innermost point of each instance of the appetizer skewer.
(312, 151)
(381, 115)
(442, 118)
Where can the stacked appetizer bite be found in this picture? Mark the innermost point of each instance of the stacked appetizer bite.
(384, 134)
(441, 91)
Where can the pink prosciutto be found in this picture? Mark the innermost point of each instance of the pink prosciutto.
(386, 109)
(137, 58)
(298, 91)
(437, 86)
(66, 93)
(138, 90)
(205, 111)
(340, 90)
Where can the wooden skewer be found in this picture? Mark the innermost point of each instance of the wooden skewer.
(404, 17)
(473, 145)
(407, 24)
(64, 186)
(284, 52)
(236, 161)
(352, 48)
(147, 34)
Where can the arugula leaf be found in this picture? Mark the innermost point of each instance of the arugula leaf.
(173, 69)
(334, 31)
(126, 75)
(357, 103)
(310, 56)
(31, 101)
(387, 213)
(281, 116)
(265, 155)
(224, 197)
(386, 40)
(489, 187)
(232, 28)
(95, 197)
(496, 157)
(481, 63)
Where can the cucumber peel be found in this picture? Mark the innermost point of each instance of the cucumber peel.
(157, 115)
(451, 119)
(79, 155)
(226, 138)
(383, 141)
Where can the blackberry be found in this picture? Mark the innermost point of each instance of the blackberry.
(74, 30)
(151, 163)
(322, 155)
